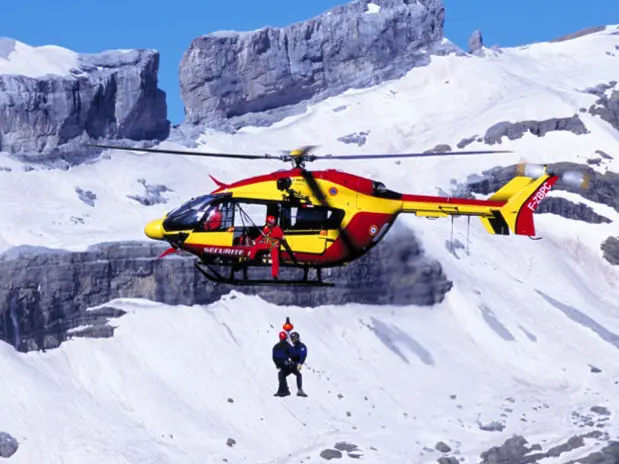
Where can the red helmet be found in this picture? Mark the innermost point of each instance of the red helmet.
(283, 335)
(271, 220)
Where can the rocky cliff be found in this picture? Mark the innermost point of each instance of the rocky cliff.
(49, 109)
(44, 293)
(227, 76)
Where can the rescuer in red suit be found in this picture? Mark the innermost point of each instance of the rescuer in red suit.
(271, 238)
(213, 222)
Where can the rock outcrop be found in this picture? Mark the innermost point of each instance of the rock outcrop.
(227, 76)
(610, 250)
(607, 108)
(8, 445)
(50, 115)
(476, 42)
(44, 293)
(515, 130)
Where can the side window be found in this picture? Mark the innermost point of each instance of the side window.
(316, 218)
(250, 215)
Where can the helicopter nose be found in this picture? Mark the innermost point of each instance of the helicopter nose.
(154, 229)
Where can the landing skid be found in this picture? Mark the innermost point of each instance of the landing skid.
(214, 276)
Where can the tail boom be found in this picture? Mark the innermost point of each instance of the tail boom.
(508, 211)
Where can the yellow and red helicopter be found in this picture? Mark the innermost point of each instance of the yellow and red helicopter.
(330, 218)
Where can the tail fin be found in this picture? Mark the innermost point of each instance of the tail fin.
(523, 196)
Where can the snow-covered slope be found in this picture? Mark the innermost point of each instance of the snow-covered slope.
(513, 340)
(25, 60)
(511, 345)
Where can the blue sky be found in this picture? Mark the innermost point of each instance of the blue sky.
(88, 27)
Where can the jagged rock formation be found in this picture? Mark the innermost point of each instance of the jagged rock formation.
(44, 293)
(476, 42)
(111, 95)
(227, 76)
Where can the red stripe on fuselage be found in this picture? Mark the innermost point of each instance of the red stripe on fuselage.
(452, 201)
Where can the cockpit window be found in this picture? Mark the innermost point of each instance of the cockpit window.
(196, 204)
(188, 215)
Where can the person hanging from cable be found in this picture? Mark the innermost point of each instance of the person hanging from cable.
(282, 352)
(298, 356)
(271, 240)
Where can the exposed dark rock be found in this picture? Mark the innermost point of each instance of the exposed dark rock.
(476, 42)
(570, 210)
(86, 196)
(581, 33)
(8, 445)
(607, 108)
(513, 451)
(43, 293)
(607, 455)
(493, 426)
(441, 148)
(347, 447)
(448, 460)
(610, 247)
(227, 76)
(358, 138)
(329, 454)
(571, 444)
(600, 89)
(466, 141)
(153, 194)
(230, 442)
(604, 154)
(600, 410)
(110, 95)
(442, 447)
(515, 130)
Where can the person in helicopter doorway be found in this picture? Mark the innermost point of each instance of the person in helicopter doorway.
(270, 239)
(288, 359)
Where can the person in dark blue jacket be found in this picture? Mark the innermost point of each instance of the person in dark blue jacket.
(282, 353)
(298, 356)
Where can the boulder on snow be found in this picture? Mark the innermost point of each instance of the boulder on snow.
(8, 444)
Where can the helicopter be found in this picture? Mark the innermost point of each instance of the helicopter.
(329, 218)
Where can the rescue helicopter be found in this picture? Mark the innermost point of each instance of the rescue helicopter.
(329, 218)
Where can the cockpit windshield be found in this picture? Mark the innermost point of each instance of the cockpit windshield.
(188, 215)
(195, 204)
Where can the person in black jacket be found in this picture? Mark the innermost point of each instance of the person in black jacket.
(282, 353)
(298, 356)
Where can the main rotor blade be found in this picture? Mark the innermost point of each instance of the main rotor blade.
(309, 178)
(190, 153)
(411, 155)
